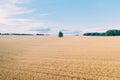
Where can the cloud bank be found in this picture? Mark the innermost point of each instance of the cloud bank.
(11, 19)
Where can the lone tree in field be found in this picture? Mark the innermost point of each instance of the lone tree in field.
(60, 34)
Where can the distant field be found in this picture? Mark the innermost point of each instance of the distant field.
(53, 58)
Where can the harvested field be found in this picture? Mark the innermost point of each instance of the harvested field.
(53, 58)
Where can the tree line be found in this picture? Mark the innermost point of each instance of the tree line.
(107, 33)
(60, 34)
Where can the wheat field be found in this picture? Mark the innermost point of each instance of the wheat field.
(53, 58)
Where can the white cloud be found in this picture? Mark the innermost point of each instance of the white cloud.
(44, 14)
(101, 29)
(10, 20)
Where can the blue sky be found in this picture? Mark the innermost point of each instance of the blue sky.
(51, 16)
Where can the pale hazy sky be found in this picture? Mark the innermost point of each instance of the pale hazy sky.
(51, 16)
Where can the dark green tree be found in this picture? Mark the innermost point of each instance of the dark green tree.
(60, 34)
(107, 33)
(94, 34)
(113, 33)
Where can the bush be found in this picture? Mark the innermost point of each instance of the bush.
(60, 34)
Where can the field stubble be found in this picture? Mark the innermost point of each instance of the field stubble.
(52, 58)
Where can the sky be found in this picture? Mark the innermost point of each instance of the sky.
(52, 16)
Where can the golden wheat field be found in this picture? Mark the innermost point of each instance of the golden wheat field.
(53, 58)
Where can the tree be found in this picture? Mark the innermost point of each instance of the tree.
(94, 34)
(107, 33)
(113, 33)
(60, 34)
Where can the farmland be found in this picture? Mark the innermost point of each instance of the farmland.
(53, 58)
